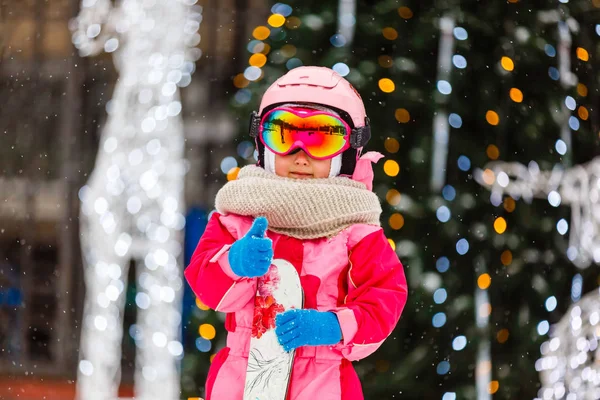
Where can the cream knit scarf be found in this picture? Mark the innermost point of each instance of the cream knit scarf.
(300, 208)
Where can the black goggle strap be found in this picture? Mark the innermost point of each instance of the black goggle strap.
(254, 124)
(358, 137)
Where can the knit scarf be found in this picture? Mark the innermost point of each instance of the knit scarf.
(300, 208)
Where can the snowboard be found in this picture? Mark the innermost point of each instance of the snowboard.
(269, 365)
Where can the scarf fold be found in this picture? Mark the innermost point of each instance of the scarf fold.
(300, 208)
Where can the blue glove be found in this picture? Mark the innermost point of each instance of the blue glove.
(251, 255)
(295, 328)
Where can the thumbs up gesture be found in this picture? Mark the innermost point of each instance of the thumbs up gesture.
(251, 255)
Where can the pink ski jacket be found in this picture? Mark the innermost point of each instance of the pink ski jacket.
(356, 274)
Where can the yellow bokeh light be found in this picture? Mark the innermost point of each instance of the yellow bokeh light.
(509, 204)
(392, 145)
(583, 113)
(392, 244)
(582, 90)
(257, 60)
(402, 115)
(582, 54)
(506, 257)
(500, 225)
(485, 310)
(276, 20)
(502, 335)
(492, 117)
(391, 168)
(293, 23)
(207, 331)
(488, 176)
(405, 12)
(516, 95)
(507, 63)
(212, 357)
(201, 305)
(484, 281)
(385, 61)
(233, 173)
(390, 33)
(494, 386)
(261, 32)
(492, 152)
(239, 81)
(393, 197)
(386, 85)
(288, 50)
(396, 221)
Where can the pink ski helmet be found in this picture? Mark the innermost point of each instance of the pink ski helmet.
(324, 87)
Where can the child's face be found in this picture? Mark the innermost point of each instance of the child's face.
(299, 165)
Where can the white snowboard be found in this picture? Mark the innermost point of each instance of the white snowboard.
(269, 366)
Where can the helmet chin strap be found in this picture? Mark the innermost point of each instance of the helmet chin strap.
(334, 169)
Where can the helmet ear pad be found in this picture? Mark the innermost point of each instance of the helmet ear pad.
(348, 161)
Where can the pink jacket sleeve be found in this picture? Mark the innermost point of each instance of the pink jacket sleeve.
(377, 293)
(210, 275)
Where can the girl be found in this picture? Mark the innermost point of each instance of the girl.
(308, 201)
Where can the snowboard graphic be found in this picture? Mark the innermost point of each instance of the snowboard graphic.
(269, 366)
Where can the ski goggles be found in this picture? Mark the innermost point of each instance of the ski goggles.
(320, 134)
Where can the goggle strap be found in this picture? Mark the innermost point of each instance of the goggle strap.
(254, 124)
(361, 135)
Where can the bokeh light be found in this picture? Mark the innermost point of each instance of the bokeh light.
(276, 20)
(386, 85)
(396, 221)
(405, 12)
(500, 225)
(484, 281)
(392, 145)
(507, 63)
(390, 33)
(393, 197)
(516, 95)
(402, 115)
(391, 168)
(492, 117)
(207, 331)
(261, 32)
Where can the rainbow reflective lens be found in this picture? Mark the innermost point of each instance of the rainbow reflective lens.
(320, 134)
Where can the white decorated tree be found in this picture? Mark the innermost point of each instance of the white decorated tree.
(132, 206)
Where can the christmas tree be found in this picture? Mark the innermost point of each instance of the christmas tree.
(450, 86)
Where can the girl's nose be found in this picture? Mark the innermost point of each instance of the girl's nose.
(301, 158)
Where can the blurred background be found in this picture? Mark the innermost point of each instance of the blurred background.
(121, 119)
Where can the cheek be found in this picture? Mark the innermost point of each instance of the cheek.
(321, 169)
(281, 166)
